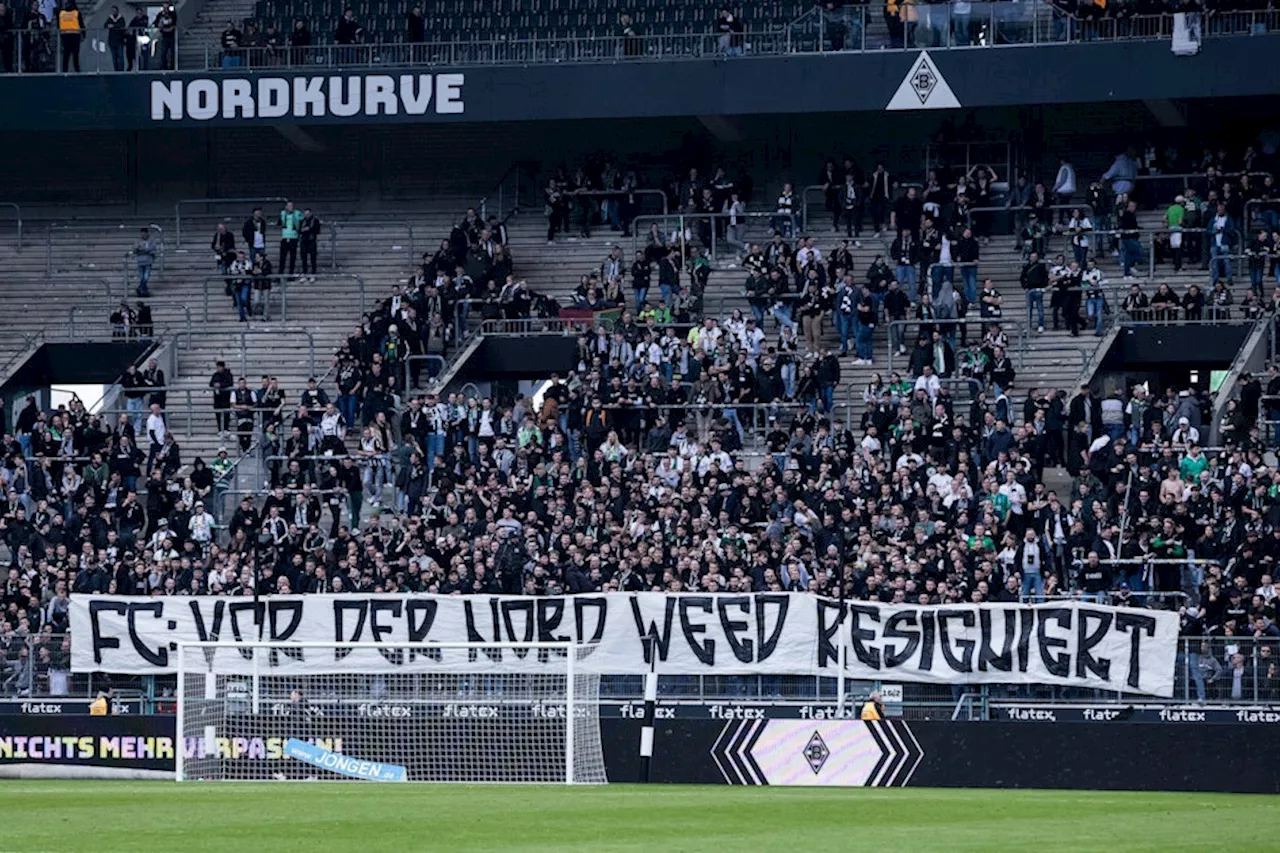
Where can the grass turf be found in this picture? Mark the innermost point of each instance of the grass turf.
(105, 817)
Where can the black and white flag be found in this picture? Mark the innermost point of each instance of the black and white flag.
(1066, 644)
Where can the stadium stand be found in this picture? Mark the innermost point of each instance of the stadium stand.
(710, 451)
(707, 450)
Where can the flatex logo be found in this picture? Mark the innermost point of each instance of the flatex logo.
(40, 708)
(372, 709)
(1181, 715)
(1105, 715)
(1258, 716)
(734, 712)
(1035, 715)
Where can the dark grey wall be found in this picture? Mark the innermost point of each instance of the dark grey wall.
(1153, 347)
(865, 82)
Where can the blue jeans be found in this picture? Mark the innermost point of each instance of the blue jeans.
(133, 405)
(782, 313)
(845, 324)
(827, 394)
(731, 415)
(243, 295)
(144, 276)
(460, 314)
(1032, 587)
(969, 275)
(1130, 254)
(1093, 307)
(435, 447)
(1220, 263)
(864, 333)
(907, 278)
(788, 372)
(1035, 308)
(348, 406)
(758, 311)
(642, 293)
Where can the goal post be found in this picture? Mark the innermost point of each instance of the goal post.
(420, 712)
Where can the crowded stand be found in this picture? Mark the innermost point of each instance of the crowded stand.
(681, 451)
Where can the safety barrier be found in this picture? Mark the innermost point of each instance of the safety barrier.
(17, 219)
(711, 232)
(187, 202)
(281, 285)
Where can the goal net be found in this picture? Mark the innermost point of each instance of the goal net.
(500, 712)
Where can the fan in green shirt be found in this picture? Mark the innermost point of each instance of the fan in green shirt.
(1192, 464)
(290, 222)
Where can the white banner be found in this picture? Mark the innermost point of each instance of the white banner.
(1067, 644)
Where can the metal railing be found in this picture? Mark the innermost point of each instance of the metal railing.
(861, 211)
(244, 334)
(712, 232)
(428, 359)
(931, 26)
(151, 303)
(925, 26)
(1217, 674)
(1160, 187)
(89, 51)
(1018, 328)
(750, 420)
(1247, 225)
(534, 326)
(17, 219)
(395, 222)
(496, 51)
(605, 195)
(54, 228)
(187, 202)
(1009, 216)
(281, 285)
(184, 409)
(506, 202)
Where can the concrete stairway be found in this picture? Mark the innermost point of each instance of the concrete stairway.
(91, 273)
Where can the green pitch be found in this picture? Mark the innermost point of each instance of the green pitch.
(105, 817)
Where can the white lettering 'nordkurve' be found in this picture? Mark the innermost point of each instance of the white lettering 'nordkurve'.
(238, 99)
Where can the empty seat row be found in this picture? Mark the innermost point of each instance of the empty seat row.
(477, 20)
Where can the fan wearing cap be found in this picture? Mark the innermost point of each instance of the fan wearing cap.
(394, 349)
(1185, 435)
(200, 528)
